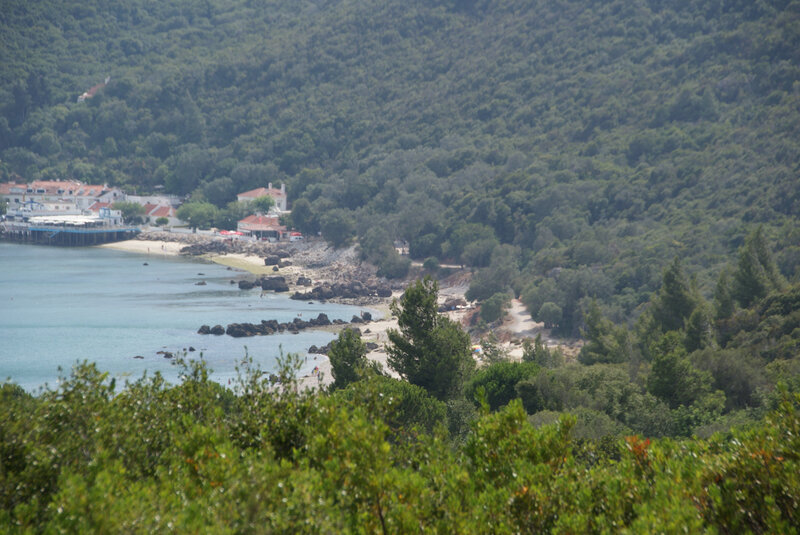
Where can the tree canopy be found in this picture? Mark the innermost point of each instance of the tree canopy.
(197, 457)
(428, 349)
(601, 155)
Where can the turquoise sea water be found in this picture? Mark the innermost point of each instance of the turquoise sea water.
(59, 306)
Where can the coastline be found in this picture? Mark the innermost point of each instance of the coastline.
(324, 265)
(153, 247)
(375, 331)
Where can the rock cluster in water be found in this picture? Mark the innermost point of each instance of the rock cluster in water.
(267, 327)
(348, 290)
(272, 284)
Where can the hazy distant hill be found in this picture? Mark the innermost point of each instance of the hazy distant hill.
(601, 138)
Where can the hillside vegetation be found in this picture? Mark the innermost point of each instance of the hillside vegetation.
(371, 458)
(534, 446)
(629, 169)
(590, 140)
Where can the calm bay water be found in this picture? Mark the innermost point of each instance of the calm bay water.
(59, 306)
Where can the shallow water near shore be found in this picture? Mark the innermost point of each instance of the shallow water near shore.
(59, 306)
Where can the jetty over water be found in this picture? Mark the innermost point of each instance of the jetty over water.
(65, 230)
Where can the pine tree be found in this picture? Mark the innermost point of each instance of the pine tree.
(539, 353)
(676, 299)
(723, 300)
(348, 356)
(605, 341)
(429, 350)
(756, 274)
(672, 377)
(699, 329)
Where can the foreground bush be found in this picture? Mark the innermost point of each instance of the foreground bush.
(196, 457)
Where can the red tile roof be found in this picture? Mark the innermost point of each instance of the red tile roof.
(92, 91)
(149, 207)
(6, 187)
(97, 206)
(89, 190)
(261, 192)
(163, 211)
(67, 187)
(259, 219)
(261, 222)
(52, 187)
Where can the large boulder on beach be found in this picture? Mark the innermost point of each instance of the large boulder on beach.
(321, 320)
(345, 290)
(358, 288)
(246, 285)
(272, 260)
(218, 330)
(204, 329)
(274, 284)
(451, 303)
(324, 350)
(384, 291)
(323, 292)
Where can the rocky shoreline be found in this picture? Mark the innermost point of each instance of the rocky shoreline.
(312, 270)
(267, 327)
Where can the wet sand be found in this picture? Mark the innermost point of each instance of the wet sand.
(166, 248)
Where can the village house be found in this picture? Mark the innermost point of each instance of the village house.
(159, 200)
(13, 193)
(278, 195)
(157, 206)
(155, 212)
(92, 91)
(264, 227)
(58, 195)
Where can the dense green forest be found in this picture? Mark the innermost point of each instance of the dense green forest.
(629, 169)
(590, 140)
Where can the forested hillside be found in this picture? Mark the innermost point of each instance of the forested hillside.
(629, 168)
(568, 150)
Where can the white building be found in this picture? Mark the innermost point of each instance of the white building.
(68, 194)
(278, 195)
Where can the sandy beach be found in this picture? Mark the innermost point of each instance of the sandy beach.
(153, 247)
(517, 326)
(375, 331)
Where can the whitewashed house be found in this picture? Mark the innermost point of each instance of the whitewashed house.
(278, 195)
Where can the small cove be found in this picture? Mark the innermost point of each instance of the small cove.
(60, 306)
